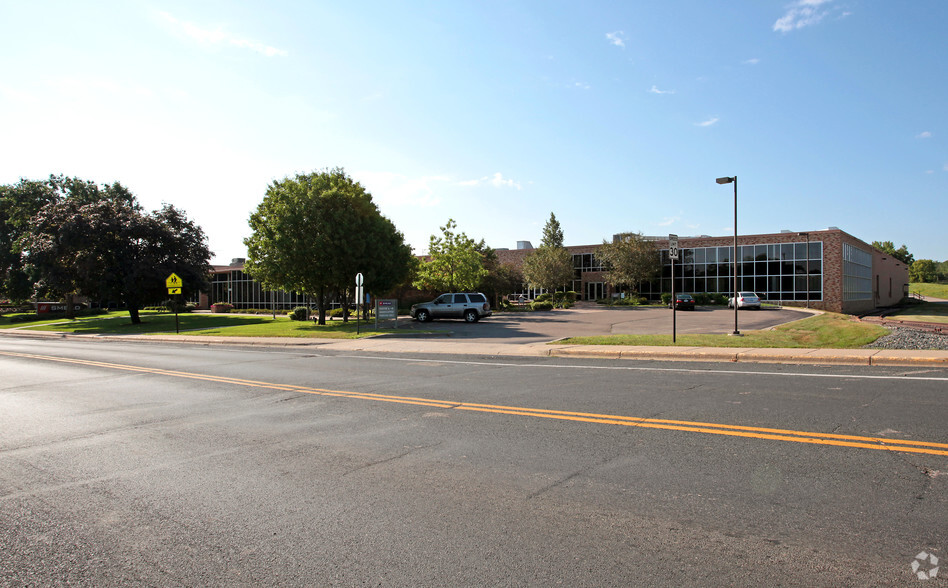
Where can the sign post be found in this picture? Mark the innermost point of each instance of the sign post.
(358, 297)
(174, 285)
(673, 255)
(386, 309)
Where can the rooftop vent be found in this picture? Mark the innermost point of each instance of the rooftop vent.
(524, 245)
(785, 231)
(238, 261)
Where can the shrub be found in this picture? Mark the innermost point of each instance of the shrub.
(175, 306)
(300, 313)
(542, 305)
(546, 296)
(666, 297)
(221, 307)
(702, 298)
(718, 298)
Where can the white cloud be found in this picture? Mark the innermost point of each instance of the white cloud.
(800, 14)
(497, 180)
(581, 85)
(924, 135)
(217, 36)
(668, 220)
(394, 189)
(708, 122)
(945, 167)
(616, 38)
(751, 61)
(655, 90)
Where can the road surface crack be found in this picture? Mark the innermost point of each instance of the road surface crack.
(392, 458)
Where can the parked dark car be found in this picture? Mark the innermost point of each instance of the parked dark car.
(683, 302)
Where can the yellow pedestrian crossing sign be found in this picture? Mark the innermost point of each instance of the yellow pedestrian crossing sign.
(174, 284)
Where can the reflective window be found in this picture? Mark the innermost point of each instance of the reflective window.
(770, 270)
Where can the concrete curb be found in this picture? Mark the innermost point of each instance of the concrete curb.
(864, 357)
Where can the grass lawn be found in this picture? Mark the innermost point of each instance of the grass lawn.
(933, 290)
(929, 312)
(202, 324)
(35, 320)
(829, 331)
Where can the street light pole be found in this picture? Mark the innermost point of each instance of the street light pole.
(733, 180)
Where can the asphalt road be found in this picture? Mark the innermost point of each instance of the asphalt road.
(152, 464)
(586, 319)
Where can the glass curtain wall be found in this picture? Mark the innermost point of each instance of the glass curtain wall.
(778, 272)
(239, 289)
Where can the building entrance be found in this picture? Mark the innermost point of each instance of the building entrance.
(594, 291)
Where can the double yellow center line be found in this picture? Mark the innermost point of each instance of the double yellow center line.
(877, 443)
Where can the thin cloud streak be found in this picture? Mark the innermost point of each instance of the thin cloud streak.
(217, 36)
(800, 14)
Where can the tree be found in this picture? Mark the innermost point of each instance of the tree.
(109, 248)
(923, 270)
(902, 253)
(313, 233)
(550, 266)
(455, 262)
(552, 233)
(630, 260)
(19, 203)
(501, 278)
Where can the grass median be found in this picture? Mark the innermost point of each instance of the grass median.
(827, 331)
(220, 325)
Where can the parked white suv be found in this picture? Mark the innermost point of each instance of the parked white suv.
(471, 307)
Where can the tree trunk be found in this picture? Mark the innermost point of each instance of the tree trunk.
(345, 305)
(321, 306)
(70, 311)
(133, 314)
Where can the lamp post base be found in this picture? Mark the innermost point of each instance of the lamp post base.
(735, 334)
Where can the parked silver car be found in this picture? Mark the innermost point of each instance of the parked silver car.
(745, 300)
(470, 306)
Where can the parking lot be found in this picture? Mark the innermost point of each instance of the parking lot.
(589, 319)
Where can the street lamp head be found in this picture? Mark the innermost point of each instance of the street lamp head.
(724, 180)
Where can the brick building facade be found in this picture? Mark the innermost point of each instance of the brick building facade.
(826, 269)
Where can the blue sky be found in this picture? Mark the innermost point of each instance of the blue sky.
(614, 116)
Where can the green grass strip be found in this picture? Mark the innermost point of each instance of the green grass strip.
(826, 331)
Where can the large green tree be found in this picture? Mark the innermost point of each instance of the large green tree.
(550, 266)
(101, 244)
(455, 262)
(501, 278)
(630, 260)
(923, 270)
(19, 203)
(314, 232)
(902, 253)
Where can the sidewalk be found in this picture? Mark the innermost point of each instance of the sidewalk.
(423, 346)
